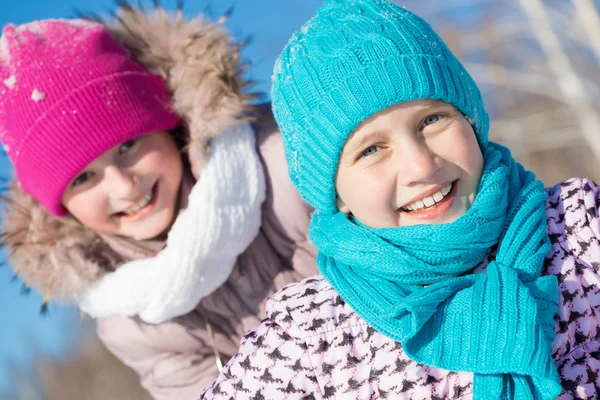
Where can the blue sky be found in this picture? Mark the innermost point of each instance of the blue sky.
(270, 22)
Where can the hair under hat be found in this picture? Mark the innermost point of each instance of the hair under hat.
(68, 93)
(350, 61)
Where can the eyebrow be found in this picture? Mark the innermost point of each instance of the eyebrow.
(353, 143)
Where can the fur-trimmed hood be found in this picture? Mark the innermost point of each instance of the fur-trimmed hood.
(203, 68)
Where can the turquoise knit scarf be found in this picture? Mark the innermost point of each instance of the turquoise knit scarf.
(414, 285)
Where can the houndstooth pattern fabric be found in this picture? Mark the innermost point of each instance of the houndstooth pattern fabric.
(313, 345)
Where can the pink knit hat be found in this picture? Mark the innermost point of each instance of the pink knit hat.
(68, 93)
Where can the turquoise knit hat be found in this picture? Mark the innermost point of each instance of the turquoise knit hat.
(353, 59)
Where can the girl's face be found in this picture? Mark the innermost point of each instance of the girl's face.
(414, 163)
(131, 190)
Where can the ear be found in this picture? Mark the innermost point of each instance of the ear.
(341, 205)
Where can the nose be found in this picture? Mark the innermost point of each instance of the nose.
(118, 182)
(418, 162)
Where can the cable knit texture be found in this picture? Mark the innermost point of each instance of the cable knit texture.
(313, 345)
(352, 60)
(409, 283)
(221, 220)
(64, 82)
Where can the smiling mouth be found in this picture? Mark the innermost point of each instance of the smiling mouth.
(138, 208)
(429, 201)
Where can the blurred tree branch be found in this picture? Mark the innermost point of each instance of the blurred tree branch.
(588, 14)
(569, 82)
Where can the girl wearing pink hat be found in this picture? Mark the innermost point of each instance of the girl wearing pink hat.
(147, 188)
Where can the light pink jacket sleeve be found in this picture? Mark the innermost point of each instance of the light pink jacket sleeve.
(172, 363)
(284, 202)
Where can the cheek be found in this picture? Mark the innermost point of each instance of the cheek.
(173, 168)
(165, 163)
(462, 149)
(168, 168)
(366, 188)
(87, 207)
(471, 159)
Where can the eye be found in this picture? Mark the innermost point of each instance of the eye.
(432, 119)
(370, 151)
(124, 147)
(81, 179)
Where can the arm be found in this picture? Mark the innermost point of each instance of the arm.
(286, 215)
(574, 225)
(592, 195)
(172, 364)
(272, 363)
(573, 206)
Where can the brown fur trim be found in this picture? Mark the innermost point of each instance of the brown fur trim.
(58, 256)
(200, 63)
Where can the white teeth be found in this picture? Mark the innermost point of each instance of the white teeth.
(141, 204)
(429, 200)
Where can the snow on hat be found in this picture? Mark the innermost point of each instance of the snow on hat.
(350, 61)
(68, 93)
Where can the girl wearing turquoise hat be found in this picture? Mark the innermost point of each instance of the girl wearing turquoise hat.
(448, 271)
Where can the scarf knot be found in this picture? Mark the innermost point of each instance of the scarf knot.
(415, 284)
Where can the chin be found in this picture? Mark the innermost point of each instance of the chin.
(151, 229)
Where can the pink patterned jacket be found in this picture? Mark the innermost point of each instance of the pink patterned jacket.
(312, 345)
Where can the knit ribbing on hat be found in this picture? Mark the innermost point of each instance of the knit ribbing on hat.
(68, 93)
(352, 60)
